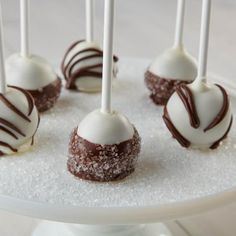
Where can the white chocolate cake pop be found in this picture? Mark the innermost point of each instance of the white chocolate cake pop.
(32, 72)
(172, 68)
(105, 146)
(83, 61)
(35, 75)
(198, 115)
(19, 121)
(82, 66)
(19, 117)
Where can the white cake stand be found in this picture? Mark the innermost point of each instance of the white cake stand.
(169, 182)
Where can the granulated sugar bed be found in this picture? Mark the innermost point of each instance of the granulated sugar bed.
(165, 172)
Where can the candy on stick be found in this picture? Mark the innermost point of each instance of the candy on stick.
(105, 145)
(198, 115)
(31, 72)
(173, 67)
(82, 62)
(19, 117)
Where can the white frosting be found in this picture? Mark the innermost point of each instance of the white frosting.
(208, 101)
(87, 83)
(104, 128)
(19, 100)
(30, 73)
(175, 63)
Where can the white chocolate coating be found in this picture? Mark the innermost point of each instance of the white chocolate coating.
(103, 128)
(175, 63)
(30, 73)
(208, 102)
(28, 128)
(86, 83)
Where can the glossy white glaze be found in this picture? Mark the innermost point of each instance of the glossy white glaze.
(104, 128)
(175, 63)
(30, 73)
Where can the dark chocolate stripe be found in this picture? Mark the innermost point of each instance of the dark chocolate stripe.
(13, 108)
(4, 129)
(176, 134)
(217, 143)
(67, 69)
(223, 111)
(11, 126)
(28, 97)
(97, 53)
(187, 98)
(86, 67)
(8, 146)
(83, 72)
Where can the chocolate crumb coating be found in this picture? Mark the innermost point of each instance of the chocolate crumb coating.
(161, 88)
(46, 97)
(102, 163)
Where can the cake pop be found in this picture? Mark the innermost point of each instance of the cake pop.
(105, 145)
(172, 68)
(32, 72)
(82, 62)
(19, 117)
(198, 115)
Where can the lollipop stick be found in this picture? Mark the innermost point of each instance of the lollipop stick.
(24, 15)
(89, 20)
(2, 64)
(204, 39)
(107, 56)
(179, 24)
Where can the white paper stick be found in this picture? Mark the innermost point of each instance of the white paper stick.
(204, 39)
(107, 56)
(2, 59)
(179, 28)
(89, 20)
(24, 21)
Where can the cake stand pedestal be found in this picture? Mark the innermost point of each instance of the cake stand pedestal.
(169, 182)
(60, 229)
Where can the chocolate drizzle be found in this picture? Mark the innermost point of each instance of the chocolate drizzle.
(220, 116)
(11, 126)
(187, 98)
(13, 108)
(28, 97)
(68, 68)
(7, 126)
(176, 134)
(217, 143)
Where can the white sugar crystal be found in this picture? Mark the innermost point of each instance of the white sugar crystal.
(165, 172)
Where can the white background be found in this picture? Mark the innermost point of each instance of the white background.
(143, 28)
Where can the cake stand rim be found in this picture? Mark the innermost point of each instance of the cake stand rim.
(117, 215)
